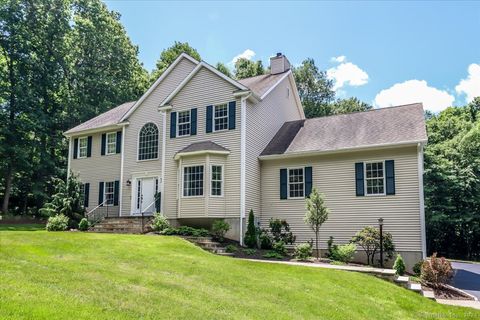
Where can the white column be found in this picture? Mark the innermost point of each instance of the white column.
(164, 148)
(243, 140)
(422, 200)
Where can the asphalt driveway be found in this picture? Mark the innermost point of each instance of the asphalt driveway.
(467, 277)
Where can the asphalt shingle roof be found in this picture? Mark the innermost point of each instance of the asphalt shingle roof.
(393, 125)
(203, 146)
(260, 84)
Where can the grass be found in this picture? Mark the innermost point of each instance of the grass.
(22, 227)
(73, 275)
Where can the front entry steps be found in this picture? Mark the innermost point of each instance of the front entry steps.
(206, 243)
(405, 282)
(123, 225)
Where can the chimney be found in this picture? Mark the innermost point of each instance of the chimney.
(279, 64)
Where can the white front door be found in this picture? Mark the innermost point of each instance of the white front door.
(145, 195)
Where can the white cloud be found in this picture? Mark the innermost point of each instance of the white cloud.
(338, 59)
(347, 73)
(471, 85)
(247, 54)
(412, 91)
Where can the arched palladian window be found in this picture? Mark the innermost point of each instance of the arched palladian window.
(148, 142)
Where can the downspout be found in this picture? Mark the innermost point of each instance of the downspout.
(122, 157)
(243, 141)
(164, 148)
(69, 157)
(422, 200)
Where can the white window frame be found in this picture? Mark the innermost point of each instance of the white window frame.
(82, 193)
(112, 193)
(183, 180)
(109, 143)
(213, 117)
(138, 143)
(79, 148)
(288, 182)
(221, 181)
(189, 123)
(365, 178)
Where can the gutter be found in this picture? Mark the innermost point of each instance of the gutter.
(96, 130)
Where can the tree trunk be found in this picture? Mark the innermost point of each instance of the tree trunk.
(316, 244)
(8, 189)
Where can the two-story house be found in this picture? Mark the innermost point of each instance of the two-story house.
(200, 146)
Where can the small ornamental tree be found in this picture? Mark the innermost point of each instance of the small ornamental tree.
(316, 215)
(251, 234)
(369, 239)
(399, 265)
(436, 271)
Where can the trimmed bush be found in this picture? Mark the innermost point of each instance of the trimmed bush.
(185, 231)
(219, 229)
(251, 235)
(417, 268)
(273, 255)
(250, 251)
(344, 253)
(399, 265)
(159, 222)
(303, 251)
(57, 223)
(436, 271)
(231, 248)
(83, 225)
(265, 240)
(279, 247)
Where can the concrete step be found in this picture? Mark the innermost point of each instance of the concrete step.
(401, 279)
(417, 287)
(226, 254)
(428, 294)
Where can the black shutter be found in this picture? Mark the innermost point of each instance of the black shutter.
(308, 181)
(283, 184)
(116, 193)
(89, 146)
(231, 115)
(360, 189)
(104, 143)
(390, 176)
(119, 141)
(193, 122)
(100, 193)
(209, 119)
(75, 148)
(86, 195)
(158, 201)
(173, 125)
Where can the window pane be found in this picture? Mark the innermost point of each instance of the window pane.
(82, 147)
(374, 178)
(295, 183)
(216, 183)
(193, 181)
(148, 142)
(184, 123)
(109, 193)
(111, 143)
(221, 117)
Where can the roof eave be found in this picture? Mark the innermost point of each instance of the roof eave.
(95, 130)
(201, 152)
(343, 150)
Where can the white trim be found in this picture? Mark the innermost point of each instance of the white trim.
(288, 183)
(135, 179)
(105, 194)
(297, 96)
(106, 142)
(243, 143)
(201, 152)
(365, 178)
(138, 142)
(206, 185)
(201, 164)
(179, 187)
(177, 128)
(222, 181)
(276, 84)
(350, 149)
(193, 73)
(78, 147)
(122, 160)
(164, 146)
(157, 82)
(165, 108)
(96, 130)
(70, 155)
(422, 200)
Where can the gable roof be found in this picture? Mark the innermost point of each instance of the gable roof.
(375, 128)
(260, 85)
(111, 117)
(202, 147)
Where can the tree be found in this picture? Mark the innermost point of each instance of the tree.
(245, 68)
(369, 239)
(252, 233)
(168, 56)
(223, 69)
(314, 88)
(349, 105)
(316, 215)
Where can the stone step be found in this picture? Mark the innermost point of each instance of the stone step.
(428, 294)
(226, 254)
(402, 279)
(417, 287)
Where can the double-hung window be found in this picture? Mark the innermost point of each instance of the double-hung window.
(109, 193)
(220, 117)
(375, 178)
(296, 183)
(82, 193)
(193, 181)
(216, 183)
(111, 144)
(184, 123)
(82, 147)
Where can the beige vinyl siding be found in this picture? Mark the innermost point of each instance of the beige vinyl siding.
(264, 119)
(148, 112)
(204, 89)
(334, 175)
(96, 169)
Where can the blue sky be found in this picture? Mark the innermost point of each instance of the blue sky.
(386, 53)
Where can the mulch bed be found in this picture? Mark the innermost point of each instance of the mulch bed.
(442, 292)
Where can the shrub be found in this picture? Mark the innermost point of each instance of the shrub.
(280, 230)
(417, 268)
(344, 253)
(57, 223)
(330, 247)
(231, 248)
(185, 231)
(250, 251)
(399, 265)
(265, 239)
(83, 225)
(279, 247)
(272, 254)
(159, 222)
(251, 236)
(219, 229)
(369, 239)
(436, 271)
(303, 251)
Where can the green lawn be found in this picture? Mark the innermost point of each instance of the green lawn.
(73, 275)
(22, 227)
